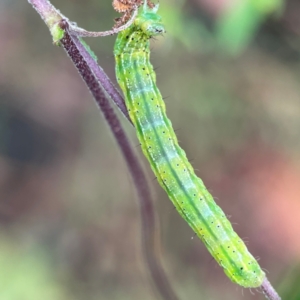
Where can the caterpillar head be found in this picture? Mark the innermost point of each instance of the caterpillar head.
(149, 21)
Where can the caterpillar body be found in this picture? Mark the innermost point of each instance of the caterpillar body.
(168, 160)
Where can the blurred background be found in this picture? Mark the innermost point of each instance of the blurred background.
(69, 220)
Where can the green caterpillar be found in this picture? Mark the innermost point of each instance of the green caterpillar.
(168, 161)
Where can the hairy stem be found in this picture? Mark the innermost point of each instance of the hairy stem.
(46, 10)
(269, 291)
(101, 76)
(51, 16)
(74, 30)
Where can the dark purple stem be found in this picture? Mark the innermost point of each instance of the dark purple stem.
(85, 65)
(269, 291)
(105, 82)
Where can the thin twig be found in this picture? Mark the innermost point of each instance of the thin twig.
(47, 11)
(269, 291)
(74, 30)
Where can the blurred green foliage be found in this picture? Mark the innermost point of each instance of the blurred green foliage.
(26, 275)
(237, 26)
(289, 288)
(190, 32)
(234, 28)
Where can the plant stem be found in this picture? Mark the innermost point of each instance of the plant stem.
(101, 76)
(46, 10)
(74, 30)
(269, 291)
(51, 16)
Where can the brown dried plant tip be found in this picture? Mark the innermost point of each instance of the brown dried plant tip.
(126, 7)
(122, 6)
